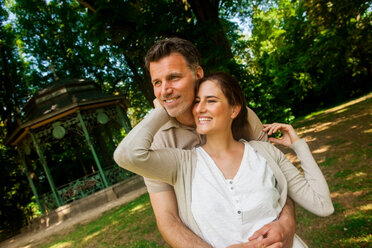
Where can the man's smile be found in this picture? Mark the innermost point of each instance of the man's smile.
(171, 100)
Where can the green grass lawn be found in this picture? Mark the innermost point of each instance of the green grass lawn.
(131, 225)
(341, 140)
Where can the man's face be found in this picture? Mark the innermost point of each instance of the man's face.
(173, 83)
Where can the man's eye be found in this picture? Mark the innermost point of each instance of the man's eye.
(156, 83)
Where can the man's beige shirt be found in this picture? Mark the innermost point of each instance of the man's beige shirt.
(175, 135)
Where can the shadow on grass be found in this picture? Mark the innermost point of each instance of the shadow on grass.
(341, 141)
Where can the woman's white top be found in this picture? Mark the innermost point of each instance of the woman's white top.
(229, 211)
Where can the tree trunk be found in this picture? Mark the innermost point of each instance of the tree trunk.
(144, 82)
(206, 12)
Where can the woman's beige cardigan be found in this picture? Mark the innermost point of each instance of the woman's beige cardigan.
(177, 167)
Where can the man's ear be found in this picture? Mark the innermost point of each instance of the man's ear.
(199, 72)
(235, 111)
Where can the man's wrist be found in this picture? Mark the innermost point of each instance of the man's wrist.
(287, 222)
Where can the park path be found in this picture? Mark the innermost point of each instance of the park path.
(33, 239)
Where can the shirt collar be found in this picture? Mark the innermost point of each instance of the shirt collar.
(173, 123)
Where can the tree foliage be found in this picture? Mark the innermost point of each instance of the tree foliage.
(306, 51)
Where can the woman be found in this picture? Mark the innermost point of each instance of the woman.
(228, 188)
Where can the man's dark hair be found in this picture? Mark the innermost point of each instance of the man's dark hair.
(165, 47)
(234, 94)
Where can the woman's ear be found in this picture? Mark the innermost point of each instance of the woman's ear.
(235, 111)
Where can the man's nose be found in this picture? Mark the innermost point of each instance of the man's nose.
(166, 89)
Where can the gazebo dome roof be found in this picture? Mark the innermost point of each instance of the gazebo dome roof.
(59, 99)
(62, 94)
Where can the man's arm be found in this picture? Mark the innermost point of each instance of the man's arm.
(174, 232)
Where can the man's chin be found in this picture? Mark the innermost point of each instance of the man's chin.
(174, 112)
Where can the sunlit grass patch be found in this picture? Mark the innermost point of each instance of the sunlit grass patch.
(131, 225)
(364, 241)
(314, 114)
(352, 231)
(62, 245)
(357, 225)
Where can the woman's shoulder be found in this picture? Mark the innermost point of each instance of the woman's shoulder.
(264, 147)
(257, 143)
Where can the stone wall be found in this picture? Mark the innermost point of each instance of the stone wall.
(88, 203)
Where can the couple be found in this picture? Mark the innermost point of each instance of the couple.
(227, 189)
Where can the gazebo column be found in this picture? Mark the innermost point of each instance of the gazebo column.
(87, 137)
(27, 172)
(124, 119)
(46, 169)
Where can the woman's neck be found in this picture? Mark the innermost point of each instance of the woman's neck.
(220, 143)
(226, 152)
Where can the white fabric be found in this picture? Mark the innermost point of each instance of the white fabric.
(230, 211)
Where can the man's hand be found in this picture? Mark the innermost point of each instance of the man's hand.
(279, 233)
(270, 235)
(157, 103)
(258, 243)
(289, 134)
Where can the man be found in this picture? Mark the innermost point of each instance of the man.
(174, 66)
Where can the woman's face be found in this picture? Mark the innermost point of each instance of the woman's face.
(212, 111)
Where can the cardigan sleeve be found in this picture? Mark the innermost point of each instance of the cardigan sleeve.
(255, 127)
(134, 153)
(310, 190)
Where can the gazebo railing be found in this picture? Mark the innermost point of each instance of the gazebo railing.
(84, 186)
(117, 174)
(80, 188)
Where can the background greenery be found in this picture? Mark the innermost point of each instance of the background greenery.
(293, 57)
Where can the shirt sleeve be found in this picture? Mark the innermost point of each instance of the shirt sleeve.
(156, 186)
(255, 127)
(134, 153)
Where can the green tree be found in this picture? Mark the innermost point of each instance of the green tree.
(14, 190)
(306, 51)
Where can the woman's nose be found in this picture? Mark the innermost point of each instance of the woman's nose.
(200, 108)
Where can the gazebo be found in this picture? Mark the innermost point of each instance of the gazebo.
(71, 109)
